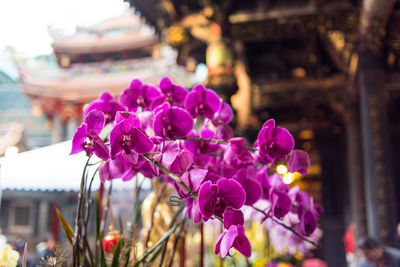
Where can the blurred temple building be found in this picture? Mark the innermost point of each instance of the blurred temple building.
(46, 106)
(103, 57)
(21, 126)
(328, 70)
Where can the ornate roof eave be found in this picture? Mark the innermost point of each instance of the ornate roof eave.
(100, 45)
(69, 85)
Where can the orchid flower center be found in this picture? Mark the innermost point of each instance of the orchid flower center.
(107, 116)
(140, 101)
(169, 98)
(201, 108)
(126, 142)
(169, 130)
(88, 145)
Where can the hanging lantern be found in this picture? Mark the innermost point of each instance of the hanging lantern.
(219, 58)
(110, 241)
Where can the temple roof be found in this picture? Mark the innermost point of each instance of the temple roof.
(84, 82)
(116, 34)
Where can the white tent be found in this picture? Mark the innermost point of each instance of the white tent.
(49, 168)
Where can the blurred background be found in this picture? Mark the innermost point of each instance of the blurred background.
(327, 70)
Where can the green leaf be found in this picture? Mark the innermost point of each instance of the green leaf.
(165, 236)
(65, 225)
(117, 251)
(155, 254)
(97, 226)
(103, 259)
(121, 225)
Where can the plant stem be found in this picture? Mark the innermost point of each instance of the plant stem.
(107, 209)
(179, 211)
(152, 215)
(177, 236)
(285, 226)
(75, 250)
(174, 177)
(213, 141)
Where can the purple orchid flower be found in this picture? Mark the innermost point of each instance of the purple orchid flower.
(139, 96)
(202, 102)
(307, 211)
(233, 238)
(280, 204)
(87, 138)
(237, 155)
(277, 185)
(233, 217)
(202, 151)
(308, 223)
(146, 119)
(174, 94)
(172, 122)
(192, 179)
(299, 161)
(274, 142)
(224, 115)
(262, 177)
(224, 132)
(237, 152)
(105, 104)
(174, 158)
(122, 166)
(128, 137)
(252, 187)
(193, 210)
(215, 198)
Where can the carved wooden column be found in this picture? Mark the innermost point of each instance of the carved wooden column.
(355, 169)
(379, 191)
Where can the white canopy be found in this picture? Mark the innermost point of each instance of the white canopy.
(49, 168)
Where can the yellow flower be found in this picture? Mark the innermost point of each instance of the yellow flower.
(8, 257)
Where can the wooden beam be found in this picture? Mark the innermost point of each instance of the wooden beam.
(336, 81)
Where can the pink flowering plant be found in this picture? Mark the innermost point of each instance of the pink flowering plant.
(184, 139)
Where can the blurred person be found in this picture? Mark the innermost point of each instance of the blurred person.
(314, 263)
(374, 254)
(397, 238)
(45, 250)
(349, 240)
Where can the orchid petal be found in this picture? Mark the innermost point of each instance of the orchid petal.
(232, 191)
(227, 240)
(95, 121)
(299, 161)
(78, 139)
(233, 217)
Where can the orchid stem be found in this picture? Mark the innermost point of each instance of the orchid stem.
(152, 215)
(176, 179)
(213, 141)
(285, 226)
(75, 250)
(171, 175)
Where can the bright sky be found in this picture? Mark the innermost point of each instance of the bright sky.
(24, 23)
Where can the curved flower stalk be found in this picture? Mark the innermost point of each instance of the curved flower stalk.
(184, 139)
